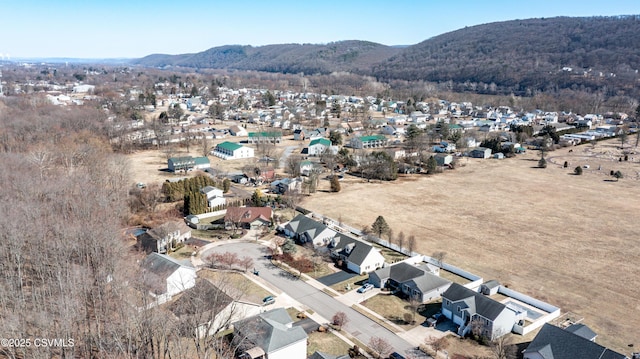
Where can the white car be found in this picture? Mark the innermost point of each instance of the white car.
(365, 288)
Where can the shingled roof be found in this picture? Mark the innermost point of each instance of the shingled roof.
(271, 330)
(478, 303)
(555, 343)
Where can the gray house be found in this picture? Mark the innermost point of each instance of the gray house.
(555, 343)
(273, 335)
(180, 163)
(470, 309)
(413, 281)
(480, 152)
(304, 229)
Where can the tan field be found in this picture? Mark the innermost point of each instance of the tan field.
(573, 241)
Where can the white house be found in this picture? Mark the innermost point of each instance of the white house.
(273, 335)
(358, 256)
(318, 146)
(215, 196)
(238, 131)
(231, 151)
(165, 276)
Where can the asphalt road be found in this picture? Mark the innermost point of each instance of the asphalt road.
(287, 152)
(358, 326)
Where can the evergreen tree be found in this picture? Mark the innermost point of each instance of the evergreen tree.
(226, 185)
(380, 226)
(432, 165)
(256, 198)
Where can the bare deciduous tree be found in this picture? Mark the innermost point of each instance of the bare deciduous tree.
(380, 346)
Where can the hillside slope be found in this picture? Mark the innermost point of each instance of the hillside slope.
(520, 56)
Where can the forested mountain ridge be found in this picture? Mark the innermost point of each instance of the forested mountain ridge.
(353, 55)
(523, 55)
(519, 56)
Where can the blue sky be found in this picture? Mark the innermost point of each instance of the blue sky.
(136, 28)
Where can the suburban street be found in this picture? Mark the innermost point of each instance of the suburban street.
(309, 296)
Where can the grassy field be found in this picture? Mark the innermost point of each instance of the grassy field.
(570, 240)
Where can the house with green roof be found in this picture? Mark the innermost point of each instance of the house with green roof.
(318, 146)
(372, 141)
(201, 163)
(231, 151)
(265, 137)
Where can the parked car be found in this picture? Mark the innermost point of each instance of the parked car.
(365, 288)
(268, 300)
(396, 355)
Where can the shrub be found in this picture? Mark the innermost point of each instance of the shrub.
(566, 164)
(542, 163)
(577, 171)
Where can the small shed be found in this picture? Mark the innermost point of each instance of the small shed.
(498, 156)
(490, 287)
(443, 159)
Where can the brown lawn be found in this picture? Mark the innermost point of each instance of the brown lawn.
(570, 240)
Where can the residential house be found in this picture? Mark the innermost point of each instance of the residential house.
(240, 179)
(553, 342)
(318, 146)
(215, 196)
(265, 137)
(238, 131)
(185, 163)
(248, 217)
(231, 151)
(357, 256)
(583, 331)
(299, 134)
(286, 185)
(165, 276)
(163, 237)
(416, 282)
(372, 141)
(273, 335)
(306, 167)
(207, 310)
(306, 230)
(468, 308)
(480, 152)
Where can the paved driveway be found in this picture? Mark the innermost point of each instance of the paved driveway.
(336, 277)
(320, 302)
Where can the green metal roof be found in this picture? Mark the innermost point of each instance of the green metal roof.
(230, 146)
(265, 134)
(323, 141)
(201, 160)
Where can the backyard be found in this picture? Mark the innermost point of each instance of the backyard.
(565, 239)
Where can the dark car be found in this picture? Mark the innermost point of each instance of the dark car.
(268, 300)
(396, 355)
